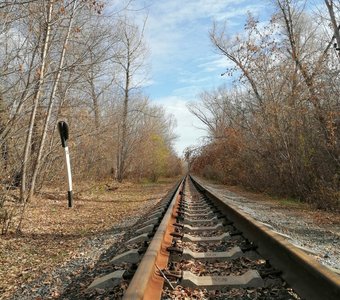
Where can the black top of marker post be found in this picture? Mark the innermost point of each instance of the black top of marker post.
(63, 131)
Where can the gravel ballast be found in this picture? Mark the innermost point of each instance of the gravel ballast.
(317, 232)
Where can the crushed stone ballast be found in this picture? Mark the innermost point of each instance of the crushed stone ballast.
(193, 243)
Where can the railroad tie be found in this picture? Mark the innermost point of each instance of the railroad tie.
(206, 239)
(194, 222)
(188, 228)
(199, 215)
(152, 221)
(156, 214)
(249, 279)
(196, 210)
(140, 238)
(132, 256)
(231, 254)
(157, 211)
(107, 281)
(195, 206)
(146, 229)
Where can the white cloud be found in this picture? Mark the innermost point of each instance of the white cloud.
(188, 126)
(182, 57)
(176, 30)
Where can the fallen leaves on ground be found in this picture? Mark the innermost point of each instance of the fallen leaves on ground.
(52, 233)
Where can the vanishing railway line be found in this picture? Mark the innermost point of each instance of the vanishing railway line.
(195, 246)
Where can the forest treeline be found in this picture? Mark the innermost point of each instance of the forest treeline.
(85, 63)
(276, 129)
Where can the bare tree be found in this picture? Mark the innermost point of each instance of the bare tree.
(282, 130)
(36, 98)
(52, 96)
(131, 59)
(336, 27)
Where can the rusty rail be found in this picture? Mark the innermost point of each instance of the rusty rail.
(147, 283)
(303, 273)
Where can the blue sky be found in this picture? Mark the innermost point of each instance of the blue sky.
(182, 59)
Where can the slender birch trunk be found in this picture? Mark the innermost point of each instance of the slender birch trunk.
(36, 101)
(51, 103)
(124, 123)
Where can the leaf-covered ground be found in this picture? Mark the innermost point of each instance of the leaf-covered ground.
(54, 235)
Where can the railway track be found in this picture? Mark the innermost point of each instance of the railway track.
(195, 246)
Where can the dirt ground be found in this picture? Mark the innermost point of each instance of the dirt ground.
(53, 234)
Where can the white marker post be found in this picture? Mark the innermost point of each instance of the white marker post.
(63, 131)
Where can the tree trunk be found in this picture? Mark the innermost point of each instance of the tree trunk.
(123, 145)
(3, 143)
(36, 99)
(51, 104)
(329, 4)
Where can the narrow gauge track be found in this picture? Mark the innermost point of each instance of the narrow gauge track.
(206, 249)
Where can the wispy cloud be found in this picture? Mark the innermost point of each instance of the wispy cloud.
(178, 32)
(183, 60)
(215, 62)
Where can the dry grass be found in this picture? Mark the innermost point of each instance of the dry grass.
(52, 233)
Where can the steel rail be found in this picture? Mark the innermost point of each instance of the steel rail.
(147, 283)
(305, 275)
